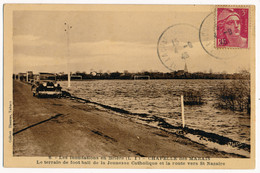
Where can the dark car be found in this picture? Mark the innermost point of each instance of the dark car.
(45, 85)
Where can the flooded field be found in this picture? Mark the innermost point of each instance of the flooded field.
(161, 98)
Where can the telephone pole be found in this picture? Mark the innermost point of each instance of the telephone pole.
(67, 30)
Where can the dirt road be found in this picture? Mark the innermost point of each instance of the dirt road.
(65, 127)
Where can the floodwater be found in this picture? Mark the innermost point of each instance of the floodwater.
(162, 99)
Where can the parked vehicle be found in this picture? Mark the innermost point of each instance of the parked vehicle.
(45, 85)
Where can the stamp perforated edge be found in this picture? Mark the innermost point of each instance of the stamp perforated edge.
(249, 24)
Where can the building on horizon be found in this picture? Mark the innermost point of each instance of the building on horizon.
(185, 68)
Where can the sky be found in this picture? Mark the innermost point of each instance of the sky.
(108, 41)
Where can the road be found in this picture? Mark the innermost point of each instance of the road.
(66, 127)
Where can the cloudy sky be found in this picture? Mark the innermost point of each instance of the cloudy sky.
(106, 41)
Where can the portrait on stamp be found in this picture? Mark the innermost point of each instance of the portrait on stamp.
(232, 27)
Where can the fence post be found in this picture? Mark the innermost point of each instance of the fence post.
(182, 111)
(27, 77)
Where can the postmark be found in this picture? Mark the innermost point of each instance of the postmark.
(232, 27)
(176, 46)
(207, 38)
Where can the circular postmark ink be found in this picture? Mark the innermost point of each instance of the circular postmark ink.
(176, 45)
(207, 37)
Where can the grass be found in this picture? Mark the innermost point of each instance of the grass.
(234, 96)
(192, 97)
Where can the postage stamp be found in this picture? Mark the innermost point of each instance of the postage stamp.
(232, 28)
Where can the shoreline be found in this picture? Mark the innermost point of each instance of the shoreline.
(84, 108)
(196, 135)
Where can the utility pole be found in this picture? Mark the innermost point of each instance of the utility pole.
(67, 30)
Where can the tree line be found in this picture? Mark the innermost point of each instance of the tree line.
(155, 75)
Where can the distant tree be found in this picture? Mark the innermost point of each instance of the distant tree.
(146, 73)
(115, 75)
(245, 74)
(126, 72)
(224, 72)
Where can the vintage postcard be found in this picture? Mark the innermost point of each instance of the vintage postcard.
(129, 86)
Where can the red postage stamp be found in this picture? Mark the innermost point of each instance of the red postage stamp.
(232, 27)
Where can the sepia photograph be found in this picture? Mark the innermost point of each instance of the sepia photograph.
(130, 82)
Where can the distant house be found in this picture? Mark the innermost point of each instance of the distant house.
(22, 76)
(180, 73)
(46, 76)
(199, 75)
(94, 73)
(29, 76)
